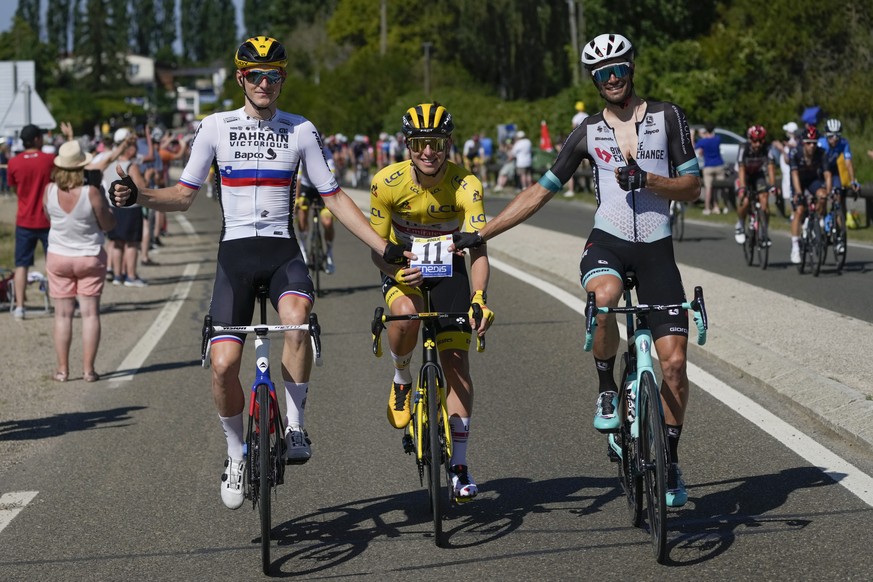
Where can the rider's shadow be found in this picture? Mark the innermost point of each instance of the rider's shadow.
(337, 534)
(709, 527)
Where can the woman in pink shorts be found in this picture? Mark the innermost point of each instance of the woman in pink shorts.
(76, 261)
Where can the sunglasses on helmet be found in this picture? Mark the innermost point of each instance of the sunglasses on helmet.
(418, 144)
(620, 70)
(255, 76)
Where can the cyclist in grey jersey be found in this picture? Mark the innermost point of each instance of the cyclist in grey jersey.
(642, 156)
(257, 150)
(664, 143)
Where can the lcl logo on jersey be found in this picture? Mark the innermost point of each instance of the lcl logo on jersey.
(393, 177)
(478, 219)
(440, 211)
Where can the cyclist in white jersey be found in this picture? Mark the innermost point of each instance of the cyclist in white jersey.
(256, 151)
(642, 157)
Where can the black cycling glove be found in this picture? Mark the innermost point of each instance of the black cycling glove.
(467, 240)
(393, 254)
(631, 176)
(134, 191)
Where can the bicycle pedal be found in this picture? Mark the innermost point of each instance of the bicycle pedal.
(408, 445)
(462, 500)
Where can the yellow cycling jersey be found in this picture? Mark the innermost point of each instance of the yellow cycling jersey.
(401, 209)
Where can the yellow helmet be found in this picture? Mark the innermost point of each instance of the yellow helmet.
(427, 119)
(580, 106)
(261, 51)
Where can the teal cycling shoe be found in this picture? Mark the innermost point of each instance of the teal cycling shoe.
(677, 495)
(606, 416)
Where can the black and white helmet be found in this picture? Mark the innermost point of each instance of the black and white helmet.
(604, 48)
(833, 125)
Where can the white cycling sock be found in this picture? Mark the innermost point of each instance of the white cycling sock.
(233, 432)
(402, 374)
(295, 402)
(460, 426)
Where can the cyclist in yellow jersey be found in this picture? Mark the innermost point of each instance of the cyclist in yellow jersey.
(423, 197)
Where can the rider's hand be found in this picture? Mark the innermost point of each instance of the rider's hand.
(856, 189)
(394, 254)
(487, 314)
(741, 191)
(409, 276)
(631, 176)
(467, 240)
(123, 192)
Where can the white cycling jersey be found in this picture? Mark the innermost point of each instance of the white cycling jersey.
(257, 162)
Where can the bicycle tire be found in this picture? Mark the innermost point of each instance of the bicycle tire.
(841, 234)
(265, 472)
(653, 453)
(749, 245)
(763, 239)
(435, 455)
(819, 246)
(316, 252)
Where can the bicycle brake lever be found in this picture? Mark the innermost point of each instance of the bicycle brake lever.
(477, 320)
(204, 345)
(315, 334)
(376, 328)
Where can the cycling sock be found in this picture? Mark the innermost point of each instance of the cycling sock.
(605, 374)
(673, 433)
(460, 426)
(295, 402)
(402, 374)
(233, 432)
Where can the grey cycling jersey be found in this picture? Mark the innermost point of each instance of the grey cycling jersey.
(257, 163)
(664, 148)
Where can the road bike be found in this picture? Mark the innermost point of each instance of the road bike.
(640, 443)
(757, 237)
(264, 447)
(316, 255)
(677, 219)
(428, 435)
(812, 240)
(835, 232)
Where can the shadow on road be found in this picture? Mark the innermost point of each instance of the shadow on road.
(61, 424)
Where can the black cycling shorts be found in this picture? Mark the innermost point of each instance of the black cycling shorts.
(447, 294)
(244, 265)
(658, 278)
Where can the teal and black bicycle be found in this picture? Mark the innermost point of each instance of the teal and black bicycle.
(640, 443)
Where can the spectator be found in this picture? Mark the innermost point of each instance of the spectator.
(126, 237)
(709, 146)
(522, 153)
(29, 172)
(4, 160)
(784, 150)
(76, 260)
(578, 118)
(507, 166)
(487, 153)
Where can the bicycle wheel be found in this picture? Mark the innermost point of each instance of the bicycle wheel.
(805, 253)
(750, 244)
(763, 239)
(316, 255)
(819, 246)
(840, 246)
(265, 471)
(653, 456)
(677, 221)
(434, 458)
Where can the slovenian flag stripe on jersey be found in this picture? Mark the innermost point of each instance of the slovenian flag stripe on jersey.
(255, 177)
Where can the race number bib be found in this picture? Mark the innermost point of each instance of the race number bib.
(434, 258)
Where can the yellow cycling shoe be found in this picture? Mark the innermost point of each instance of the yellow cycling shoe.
(398, 404)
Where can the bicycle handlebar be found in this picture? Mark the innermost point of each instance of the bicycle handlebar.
(209, 330)
(380, 319)
(696, 306)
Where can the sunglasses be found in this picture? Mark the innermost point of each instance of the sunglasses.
(830, 135)
(255, 76)
(620, 70)
(418, 144)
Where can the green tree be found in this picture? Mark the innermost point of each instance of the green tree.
(100, 43)
(144, 27)
(28, 11)
(57, 24)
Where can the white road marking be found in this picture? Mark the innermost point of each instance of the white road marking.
(11, 505)
(834, 466)
(187, 227)
(134, 360)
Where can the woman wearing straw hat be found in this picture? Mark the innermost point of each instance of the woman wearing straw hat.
(76, 261)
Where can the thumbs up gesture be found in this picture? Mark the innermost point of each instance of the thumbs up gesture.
(631, 176)
(123, 192)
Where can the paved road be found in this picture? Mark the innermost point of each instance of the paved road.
(126, 470)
